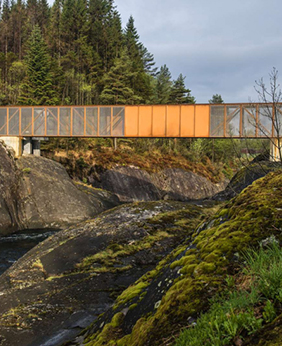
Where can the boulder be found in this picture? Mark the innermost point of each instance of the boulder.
(50, 199)
(245, 177)
(9, 198)
(38, 193)
(133, 184)
(65, 282)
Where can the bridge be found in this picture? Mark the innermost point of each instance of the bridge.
(31, 123)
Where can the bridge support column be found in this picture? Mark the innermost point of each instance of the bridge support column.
(15, 143)
(27, 146)
(275, 145)
(36, 147)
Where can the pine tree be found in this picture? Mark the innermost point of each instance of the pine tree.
(179, 93)
(117, 81)
(216, 99)
(37, 88)
(163, 85)
(133, 45)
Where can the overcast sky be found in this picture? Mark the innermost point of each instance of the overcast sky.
(221, 46)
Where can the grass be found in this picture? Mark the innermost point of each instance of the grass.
(247, 304)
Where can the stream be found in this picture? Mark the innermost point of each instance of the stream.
(14, 246)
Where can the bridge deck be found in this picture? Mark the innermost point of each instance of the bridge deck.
(213, 121)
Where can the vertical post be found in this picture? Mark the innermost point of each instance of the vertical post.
(241, 121)
(180, 120)
(257, 119)
(166, 121)
(111, 127)
(32, 121)
(138, 121)
(152, 120)
(84, 122)
(7, 121)
(71, 121)
(20, 121)
(194, 120)
(225, 120)
(45, 132)
(98, 125)
(58, 125)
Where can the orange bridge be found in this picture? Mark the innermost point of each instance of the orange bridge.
(236, 120)
(27, 125)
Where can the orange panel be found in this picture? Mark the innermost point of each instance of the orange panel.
(159, 121)
(173, 121)
(131, 121)
(145, 121)
(187, 125)
(202, 121)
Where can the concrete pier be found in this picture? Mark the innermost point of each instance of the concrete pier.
(15, 143)
(27, 146)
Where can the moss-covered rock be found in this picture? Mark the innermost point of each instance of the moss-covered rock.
(183, 283)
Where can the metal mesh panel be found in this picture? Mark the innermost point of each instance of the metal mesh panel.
(26, 121)
(265, 121)
(65, 117)
(217, 121)
(105, 121)
(249, 121)
(233, 121)
(14, 121)
(52, 121)
(278, 126)
(91, 121)
(3, 121)
(39, 122)
(78, 121)
(118, 121)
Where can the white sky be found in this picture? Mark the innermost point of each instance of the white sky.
(221, 46)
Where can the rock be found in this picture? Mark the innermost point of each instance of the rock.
(38, 193)
(50, 199)
(52, 291)
(245, 177)
(156, 307)
(133, 184)
(9, 178)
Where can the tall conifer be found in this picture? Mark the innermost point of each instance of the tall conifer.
(37, 88)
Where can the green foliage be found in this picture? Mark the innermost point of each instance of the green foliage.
(72, 53)
(179, 94)
(216, 99)
(232, 314)
(37, 88)
(117, 82)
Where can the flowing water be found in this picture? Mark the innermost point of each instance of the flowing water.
(14, 246)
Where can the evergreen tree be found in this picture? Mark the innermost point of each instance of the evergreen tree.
(179, 93)
(216, 99)
(37, 88)
(133, 45)
(117, 81)
(163, 85)
(148, 61)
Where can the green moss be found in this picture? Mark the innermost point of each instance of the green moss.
(26, 170)
(130, 293)
(108, 332)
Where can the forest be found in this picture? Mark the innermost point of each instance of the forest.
(76, 52)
